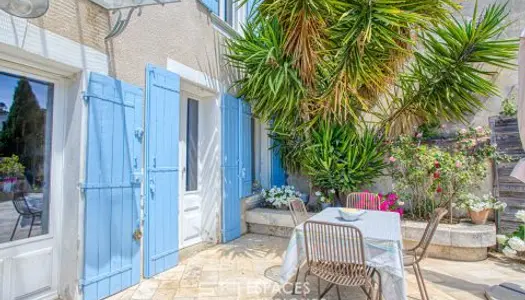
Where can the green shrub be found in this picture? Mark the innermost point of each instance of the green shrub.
(430, 176)
(11, 167)
(341, 158)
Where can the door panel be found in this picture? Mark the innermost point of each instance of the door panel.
(231, 217)
(278, 174)
(191, 201)
(161, 244)
(246, 150)
(112, 187)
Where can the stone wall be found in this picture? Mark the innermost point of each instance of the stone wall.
(462, 242)
(79, 20)
(182, 31)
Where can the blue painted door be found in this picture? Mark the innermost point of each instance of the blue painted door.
(231, 216)
(161, 240)
(278, 174)
(246, 149)
(112, 187)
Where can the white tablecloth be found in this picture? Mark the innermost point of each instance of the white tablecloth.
(383, 247)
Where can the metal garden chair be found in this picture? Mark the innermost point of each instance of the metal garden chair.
(412, 257)
(335, 253)
(298, 211)
(24, 210)
(299, 216)
(363, 200)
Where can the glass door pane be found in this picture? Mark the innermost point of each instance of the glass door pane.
(25, 150)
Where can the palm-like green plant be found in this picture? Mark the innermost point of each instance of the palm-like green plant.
(393, 64)
(340, 157)
(445, 81)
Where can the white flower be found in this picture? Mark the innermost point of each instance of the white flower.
(318, 194)
(400, 203)
(501, 238)
(521, 215)
(509, 252)
(331, 191)
(516, 243)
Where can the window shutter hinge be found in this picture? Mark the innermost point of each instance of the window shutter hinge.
(85, 96)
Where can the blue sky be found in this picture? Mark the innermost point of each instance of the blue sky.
(7, 89)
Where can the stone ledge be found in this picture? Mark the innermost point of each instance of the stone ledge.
(464, 241)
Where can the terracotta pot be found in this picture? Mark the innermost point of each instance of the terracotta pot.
(479, 218)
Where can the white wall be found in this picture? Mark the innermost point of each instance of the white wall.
(58, 254)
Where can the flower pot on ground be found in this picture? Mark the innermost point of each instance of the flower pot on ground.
(325, 198)
(479, 217)
(479, 208)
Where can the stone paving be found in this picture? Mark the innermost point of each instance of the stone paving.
(248, 268)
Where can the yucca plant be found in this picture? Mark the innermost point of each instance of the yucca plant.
(389, 64)
(343, 158)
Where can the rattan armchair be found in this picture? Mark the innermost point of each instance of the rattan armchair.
(335, 254)
(412, 256)
(363, 200)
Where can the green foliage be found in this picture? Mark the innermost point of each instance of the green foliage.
(445, 80)
(11, 167)
(509, 106)
(23, 133)
(311, 65)
(341, 158)
(430, 176)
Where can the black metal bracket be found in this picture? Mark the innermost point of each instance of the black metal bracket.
(123, 18)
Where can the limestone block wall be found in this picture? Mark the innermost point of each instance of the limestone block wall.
(79, 20)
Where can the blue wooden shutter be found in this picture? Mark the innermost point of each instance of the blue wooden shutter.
(231, 216)
(278, 174)
(161, 244)
(212, 5)
(246, 149)
(112, 187)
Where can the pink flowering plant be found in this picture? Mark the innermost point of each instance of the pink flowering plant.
(431, 176)
(391, 202)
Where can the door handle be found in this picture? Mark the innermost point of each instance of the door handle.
(152, 186)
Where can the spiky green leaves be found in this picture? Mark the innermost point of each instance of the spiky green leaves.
(447, 78)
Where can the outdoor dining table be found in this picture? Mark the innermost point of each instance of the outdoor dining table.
(382, 242)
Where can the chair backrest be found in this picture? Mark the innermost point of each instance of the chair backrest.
(298, 211)
(363, 200)
(339, 249)
(430, 230)
(20, 203)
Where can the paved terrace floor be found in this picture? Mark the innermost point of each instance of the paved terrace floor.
(248, 268)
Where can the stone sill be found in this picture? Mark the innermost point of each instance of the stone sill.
(463, 235)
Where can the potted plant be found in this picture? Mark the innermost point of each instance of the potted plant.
(279, 197)
(10, 170)
(325, 199)
(480, 207)
(514, 244)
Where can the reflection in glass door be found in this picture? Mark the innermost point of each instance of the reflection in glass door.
(25, 156)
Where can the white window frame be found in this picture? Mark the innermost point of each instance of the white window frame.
(57, 142)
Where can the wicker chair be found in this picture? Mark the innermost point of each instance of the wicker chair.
(412, 257)
(24, 210)
(363, 200)
(335, 253)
